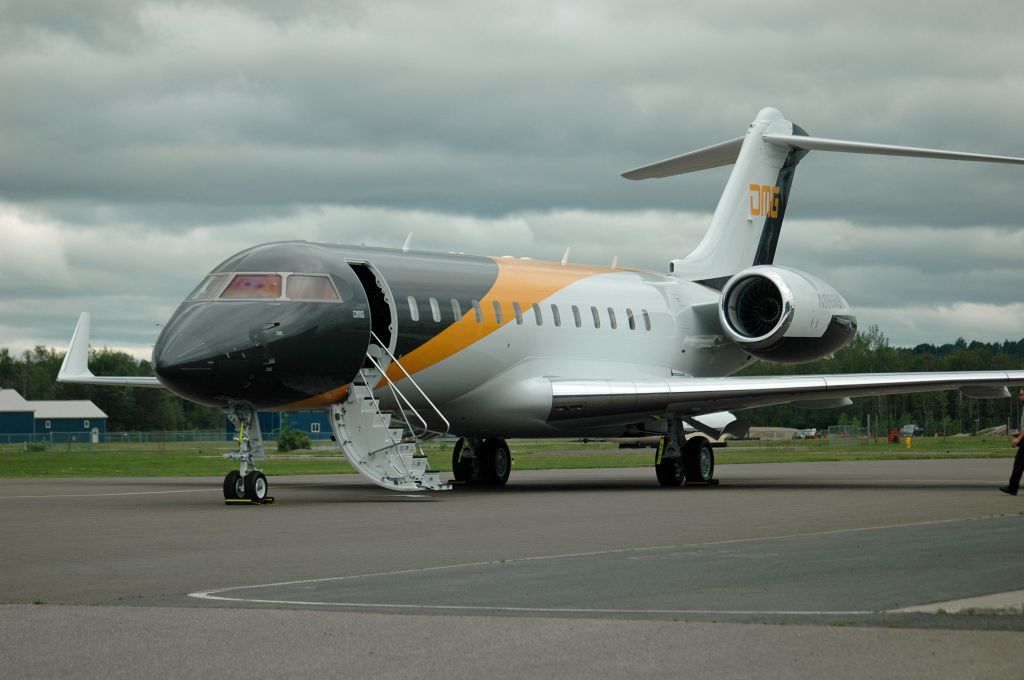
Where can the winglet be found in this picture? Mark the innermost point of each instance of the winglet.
(75, 368)
(76, 361)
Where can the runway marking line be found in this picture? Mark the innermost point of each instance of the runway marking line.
(150, 493)
(218, 594)
(96, 495)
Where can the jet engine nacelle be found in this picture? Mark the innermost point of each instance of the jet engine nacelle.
(784, 315)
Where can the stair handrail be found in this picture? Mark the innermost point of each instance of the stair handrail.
(399, 398)
(447, 425)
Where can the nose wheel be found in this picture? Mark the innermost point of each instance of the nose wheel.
(246, 483)
(234, 486)
(252, 487)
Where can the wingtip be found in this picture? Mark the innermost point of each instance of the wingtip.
(76, 361)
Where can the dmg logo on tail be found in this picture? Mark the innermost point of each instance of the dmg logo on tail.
(764, 200)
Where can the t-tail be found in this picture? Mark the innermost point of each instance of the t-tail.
(747, 223)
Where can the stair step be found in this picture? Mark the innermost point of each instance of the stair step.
(376, 448)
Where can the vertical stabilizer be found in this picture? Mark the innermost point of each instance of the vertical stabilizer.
(745, 228)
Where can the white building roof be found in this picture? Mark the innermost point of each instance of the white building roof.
(10, 400)
(67, 409)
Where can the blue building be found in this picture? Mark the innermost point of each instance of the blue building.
(58, 421)
(17, 418)
(314, 423)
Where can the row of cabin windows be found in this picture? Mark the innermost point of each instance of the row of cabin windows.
(538, 314)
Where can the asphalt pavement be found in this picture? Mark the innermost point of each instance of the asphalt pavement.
(784, 570)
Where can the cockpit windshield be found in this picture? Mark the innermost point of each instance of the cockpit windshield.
(249, 286)
(311, 287)
(266, 286)
(208, 289)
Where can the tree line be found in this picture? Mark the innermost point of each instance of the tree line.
(948, 412)
(34, 374)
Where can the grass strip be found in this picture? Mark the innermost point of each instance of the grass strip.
(202, 459)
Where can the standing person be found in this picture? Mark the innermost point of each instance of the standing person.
(1018, 462)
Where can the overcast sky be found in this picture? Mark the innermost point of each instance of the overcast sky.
(141, 143)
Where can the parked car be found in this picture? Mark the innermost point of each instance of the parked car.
(911, 430)
(810, 433)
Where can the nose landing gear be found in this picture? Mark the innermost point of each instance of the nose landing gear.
(247, 483)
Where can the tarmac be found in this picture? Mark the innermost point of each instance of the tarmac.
(846, 569)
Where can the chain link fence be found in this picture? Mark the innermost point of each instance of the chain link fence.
(85, 437)
(840, 435)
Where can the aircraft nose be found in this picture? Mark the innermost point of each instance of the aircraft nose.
(267, 355)
(182, 349)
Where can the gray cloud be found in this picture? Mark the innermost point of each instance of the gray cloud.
(144, 141)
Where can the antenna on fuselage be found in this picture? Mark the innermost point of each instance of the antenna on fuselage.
(408, 242)
(565, 257)
(615, 262)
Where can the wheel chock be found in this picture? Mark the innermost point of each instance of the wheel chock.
(269, 500)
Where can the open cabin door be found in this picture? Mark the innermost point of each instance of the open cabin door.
(383, 314)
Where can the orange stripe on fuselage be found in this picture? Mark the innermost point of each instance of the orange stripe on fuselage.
(317, 402)
(524, 281)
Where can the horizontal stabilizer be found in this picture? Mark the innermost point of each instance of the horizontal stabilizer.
(713, 156)
(822, 144)
(75, 368)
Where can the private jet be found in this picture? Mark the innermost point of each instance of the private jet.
(399, 346)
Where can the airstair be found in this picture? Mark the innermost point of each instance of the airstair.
(385, 454)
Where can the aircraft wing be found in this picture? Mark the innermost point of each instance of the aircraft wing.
(75, 367)
(695, 396)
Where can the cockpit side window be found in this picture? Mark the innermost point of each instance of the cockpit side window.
(208, 289)
(253, 286)
(311, 287)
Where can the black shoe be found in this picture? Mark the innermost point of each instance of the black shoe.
(1008, 489)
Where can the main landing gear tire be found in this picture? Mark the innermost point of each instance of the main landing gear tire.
(490, 464)
(460, 466)
(670, 471)
(256, 486)
(698, 461)
(234, 486)
(496, 462)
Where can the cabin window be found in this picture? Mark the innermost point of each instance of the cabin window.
(85, 423)
(611, 319)
(414, 309)
(311, 287)
(209, 288)
(497, 313)
(456, 309)
(518, 311)
(576, 316)
(597, 317)
(479, 313)
(47, 424)
(435, 310)
(647, 319)
(537, 314)
(557, 317)
(253, 286)
(629, 317)
(314, 428)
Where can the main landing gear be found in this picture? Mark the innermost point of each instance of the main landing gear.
(679, 459)
(247, 482)
(481, 461)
